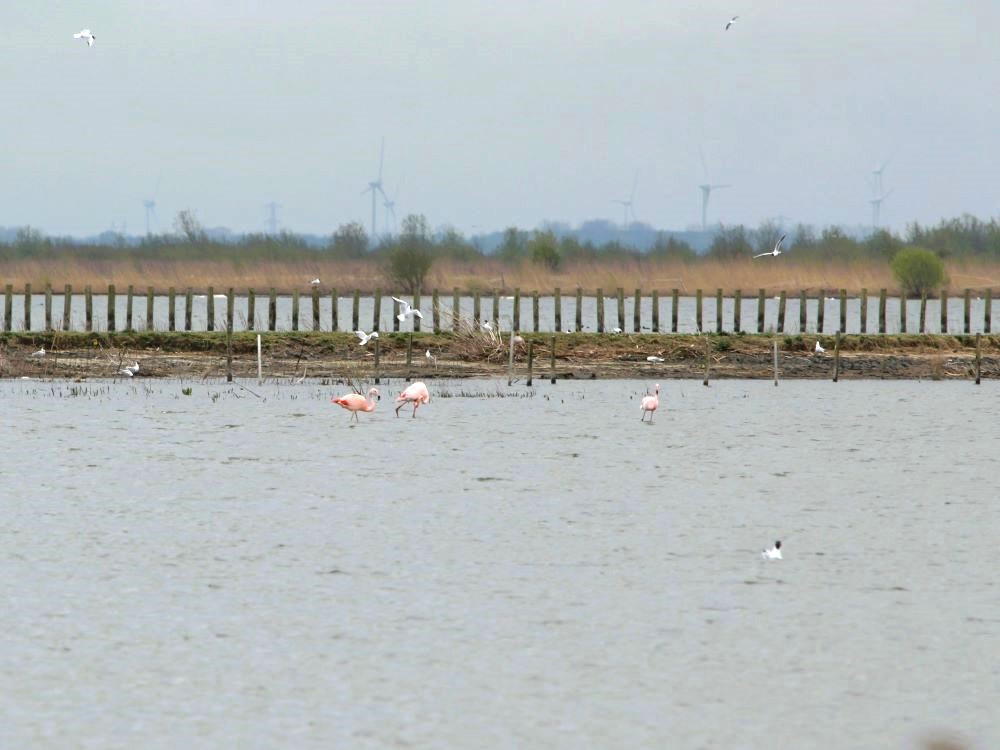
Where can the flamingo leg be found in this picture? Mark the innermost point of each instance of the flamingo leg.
(400, 407)
(415, 405)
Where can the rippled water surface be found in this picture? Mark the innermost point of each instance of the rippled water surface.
(222, 570)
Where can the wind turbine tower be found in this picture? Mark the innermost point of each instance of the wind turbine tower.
(149, 204)
(272, 217)
(375, 187)
(627, 205)
(389, 204)
(878, 193)
(706, 192)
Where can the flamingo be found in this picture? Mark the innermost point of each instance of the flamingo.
(415, 393)
(649, 404)
(355, 402)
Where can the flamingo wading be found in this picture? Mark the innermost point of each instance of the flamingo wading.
(416, 394)
(355, 402)
(649, 405)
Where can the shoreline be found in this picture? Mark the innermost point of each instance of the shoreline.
(578, 356)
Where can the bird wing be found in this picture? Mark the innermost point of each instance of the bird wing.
(361, 335)
(90, 41)
(418, 313)
(780, 240)
(763, 254)
(400, 301)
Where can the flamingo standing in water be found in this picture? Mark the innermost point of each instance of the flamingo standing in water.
(415, 393)
(649, 404)
(355, 402)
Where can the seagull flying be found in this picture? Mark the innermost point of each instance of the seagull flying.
(731, 22)
(406, 309)
(86, 35)
(365, 337)
(777, 249)
(772, 554)
(819, 349)
(39, 353)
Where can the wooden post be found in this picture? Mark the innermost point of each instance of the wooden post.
(718, 311)
(531, 359)
(902, 311)
(881, 310)
(843, 310)
(272, 310)
(979, 358)
(774, 346)
(409, 354)
(128, 308)
(356, 310)
(8, 306)
(27, 307)
(377, 358)
(621, 308)
(416, 306)
(315, 305)
(674, 304)
(456, 310)
(209, 309)
(229, 337)
(517, 309)
(820, 312)
(335, 308)
(708, 359)
(172, 310)
(510, 359)
(112, 302)
(579, 309)
(557, 306)
(395, 312)
(782, 300)
(295, 309)
(476, 311)
(230, 311)
(864, 311)
(738, 311)
(637, 312)
(552, 362)
(656, 311)
(836, 358)
(944, 311)
(188, 306)
(760, 311)
(534, 311)
(436, 311)
(150, 301)
(600, 311)
(88, 308)
(698, 311)
(48, 307)
(923, 312)
(251, 309)
(496, 309)
(968, 311)
(67, 306)
(803, 311)
(377, 310)
(260, 364)
(988, 314)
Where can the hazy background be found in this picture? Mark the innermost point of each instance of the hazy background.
(495, 113)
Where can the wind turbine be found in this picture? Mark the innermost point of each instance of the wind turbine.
(390, 211)
(878, 193)
(706, 191)
(627, 205)
(150, 203)
(375, 187)
(272, 218)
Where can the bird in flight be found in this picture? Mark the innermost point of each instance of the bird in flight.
(406, 309)
(85, 35)
(772, 554)
(365, 337)
(777, 249)
(731, 22)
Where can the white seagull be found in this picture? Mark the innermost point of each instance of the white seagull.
(39, 353)
(430, 357)
(772, 554)
(406, 310)
(126, 372)
(485, 325)
(365, 337)
(731, 22)
(314, 283)
(616, 330)
(777, 249)
(86, 35)
(819, 349)
(654, 358)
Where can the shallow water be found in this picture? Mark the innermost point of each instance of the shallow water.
(223, 570)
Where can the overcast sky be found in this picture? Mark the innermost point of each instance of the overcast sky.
(496, 113)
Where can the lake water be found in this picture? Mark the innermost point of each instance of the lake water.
(221, 570)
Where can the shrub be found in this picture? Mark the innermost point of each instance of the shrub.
(410, 259)
(544, 250)
(918, 270)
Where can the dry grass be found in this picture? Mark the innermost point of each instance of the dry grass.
(772, 275)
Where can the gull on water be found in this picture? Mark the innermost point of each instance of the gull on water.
(86, 35)
(365, 337)
(772, 554)
(406, 309)
(819, 349)
(731, 22)
(777, 249)
(39, 353)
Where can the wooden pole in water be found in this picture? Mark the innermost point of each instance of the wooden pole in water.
(128, 308)
(456, 310)
(496, 309)
(377, 360)
(621, 308)
(150, 323)
(315, 306)
(356, 310)
(708, 359)
(803, 312)
(718, 311)
(409, 354)
(531, 359)
(557, 303)
(782, 301)
(209, 304)
(534, 311)
(88, 308)
(476, 311)
(229, 339)
(552, 362)
(656, 311)
(774, 346)
(395, 312)
(864, 311)
(295, 310)
(376, 311)
(510, 359)
(843, 310)
(600, 310)
(637, 312)
(923, 312)
(902, 311)
(260, 371)
(230, 309)
(272, 310)
(27, 307)
(674, 304)
(968, 311)
(251, 309)
(944, 311)
(820, 312)
(579, 309)
(979, 358)
(188, 305)
(112, 322)
(172, 308)
(760, 311)
(698, 311)
(738, 311)
(436, 310)
(335, 308)
(48, 307)
(517, 309)
(881, 310)
(67, 306)
(988, 323)
(836, 358)
(8, 306)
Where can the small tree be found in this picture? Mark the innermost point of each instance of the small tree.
(513, 246)
(187, 225)
(918, 270)
(544, 249)
(349, 241)
(410, 259)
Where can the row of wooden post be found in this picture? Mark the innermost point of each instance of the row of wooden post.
(516, 322)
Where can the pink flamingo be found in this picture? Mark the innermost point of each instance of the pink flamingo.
(355, 402)
(416, 393)
(649, 404)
